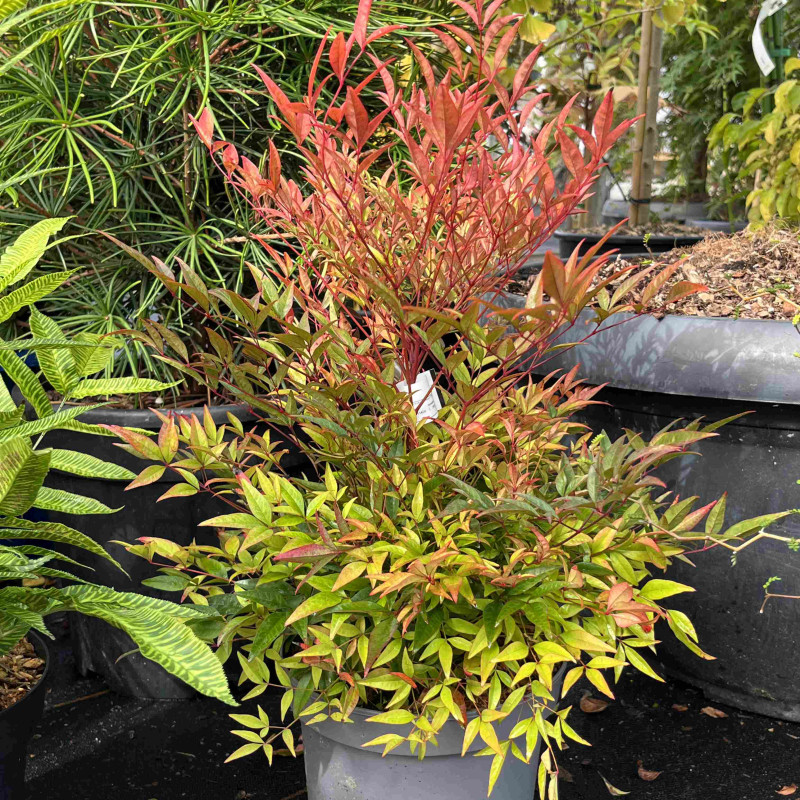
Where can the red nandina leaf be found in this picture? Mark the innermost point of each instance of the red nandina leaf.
(337, 55)
(646, 774)
(404, 677)
(715, 713)
(592, 705)
(205, 126)
(230, 158)
(603, 119)
(307, 553)
(359, 33)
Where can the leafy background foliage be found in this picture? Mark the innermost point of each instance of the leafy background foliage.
(95, 100)
(762, 136)
(27, 545)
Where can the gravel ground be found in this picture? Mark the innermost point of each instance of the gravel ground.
(93, 745)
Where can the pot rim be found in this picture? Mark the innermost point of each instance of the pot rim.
(145, 418)
(748, 360)
(43, 651)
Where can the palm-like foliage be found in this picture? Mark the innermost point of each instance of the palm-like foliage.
(159, 628)
(95, 105)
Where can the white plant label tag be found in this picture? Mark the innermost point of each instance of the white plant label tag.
(424, 396)
(763, 59)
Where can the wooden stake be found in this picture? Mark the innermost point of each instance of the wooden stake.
(647, 129)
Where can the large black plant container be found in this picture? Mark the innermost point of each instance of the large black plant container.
(689, 367)
(98, 646)
(624, 244)
(17, 724)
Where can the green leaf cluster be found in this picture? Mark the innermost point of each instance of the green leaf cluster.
(763, 134)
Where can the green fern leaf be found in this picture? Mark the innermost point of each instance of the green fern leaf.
(10, 419)
(93, 352)
(34, 550)
(59, 420)
(15, 528)
(27, 382)
(88, 466)
(161, 638)
(9, 7)
(103, 387)
(180, 611)
(32, 292)
(69, 503)
(22, 256)
(22, 472)
(57, 364)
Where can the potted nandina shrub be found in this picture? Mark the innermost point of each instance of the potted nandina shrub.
(460, 551)
(727, 351)
(29, 546)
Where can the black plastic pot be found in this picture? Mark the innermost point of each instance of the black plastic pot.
(98, 646)
(621, 243)
(687, 367)
(16, 728)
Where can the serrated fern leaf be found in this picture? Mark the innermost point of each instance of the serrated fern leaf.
(22, 256)
(27, 382)
(69, 503)
(60, 419)
(31, 293)
(57, 364)
(34, 550)
(181, 611)
(11, 418)
(88, 466)
(52, 532)
(9, 7)
(93, 352)
(103, 387)
(16, 619)
(163, 639)
(22, 472)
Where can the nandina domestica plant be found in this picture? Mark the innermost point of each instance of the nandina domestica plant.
(457, 539)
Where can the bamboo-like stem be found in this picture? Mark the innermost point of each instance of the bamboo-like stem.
(651, 41)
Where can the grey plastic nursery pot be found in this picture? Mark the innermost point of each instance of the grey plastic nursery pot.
(657, 371)
(339, 768)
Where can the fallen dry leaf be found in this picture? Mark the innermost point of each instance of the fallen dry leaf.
(592, 705)
(647, 774)
(612, 790)
(787, 790)
(679, 707)
(710, 711)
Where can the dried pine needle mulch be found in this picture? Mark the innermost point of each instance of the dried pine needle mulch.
(20, 670)
(749, 275)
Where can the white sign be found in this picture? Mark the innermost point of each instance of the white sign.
(424, 396)
(765, 63)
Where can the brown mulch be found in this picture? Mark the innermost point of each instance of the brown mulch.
(666, 228)
(20, 670)
(753, 274)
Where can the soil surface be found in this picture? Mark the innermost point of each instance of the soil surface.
(20, 671)
(746, 275)
(93, 745)
(665, 228)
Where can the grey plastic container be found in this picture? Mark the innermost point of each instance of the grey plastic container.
(657, 371)
(339, 768)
